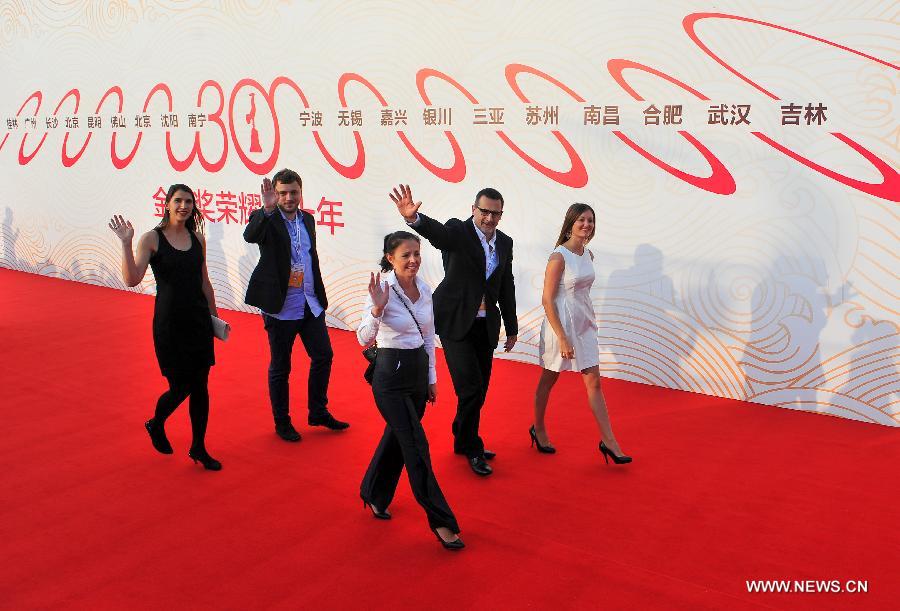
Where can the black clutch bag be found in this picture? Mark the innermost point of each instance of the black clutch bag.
(370, 353)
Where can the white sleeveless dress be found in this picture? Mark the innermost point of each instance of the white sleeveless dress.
(576, 313)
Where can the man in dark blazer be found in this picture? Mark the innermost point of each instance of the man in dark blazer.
(287, 287)
(477, 279)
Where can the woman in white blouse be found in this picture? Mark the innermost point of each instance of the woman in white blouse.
(398, 317)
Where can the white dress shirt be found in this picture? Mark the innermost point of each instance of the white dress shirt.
(395, 328)
(490, 250)
(490, 258)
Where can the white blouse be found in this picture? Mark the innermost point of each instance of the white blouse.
(395, 328)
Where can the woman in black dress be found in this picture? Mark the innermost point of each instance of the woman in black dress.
(182, 327)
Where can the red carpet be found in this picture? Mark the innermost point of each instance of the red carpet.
(720, 492)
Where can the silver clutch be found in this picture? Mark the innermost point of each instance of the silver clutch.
(220, 328)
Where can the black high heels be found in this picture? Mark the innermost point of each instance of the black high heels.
(607, 454)
(456, 544)
(209, 463)
(158, 437)
(540, 448)
(377, 513)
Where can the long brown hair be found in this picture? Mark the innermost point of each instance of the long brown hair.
(195, 222)
(572, 214)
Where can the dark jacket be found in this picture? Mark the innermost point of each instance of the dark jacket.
(457, 297)
(268, 284)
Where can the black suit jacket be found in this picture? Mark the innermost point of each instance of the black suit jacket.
(457, 297)
(268, 285)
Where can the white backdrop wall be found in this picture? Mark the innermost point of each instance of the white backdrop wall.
(752, 261)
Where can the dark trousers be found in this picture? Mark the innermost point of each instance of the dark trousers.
(184, 384)
(314, 335)
(469, 362)
(400, 386)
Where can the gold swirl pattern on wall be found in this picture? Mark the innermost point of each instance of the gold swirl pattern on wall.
(784, 293)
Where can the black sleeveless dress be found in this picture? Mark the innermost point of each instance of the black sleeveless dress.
(182, 328)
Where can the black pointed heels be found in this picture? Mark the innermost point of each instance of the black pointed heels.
(607, 454)
(158, 437)
(534, 441)
(456, 544)
(202, 456)
(377, 513)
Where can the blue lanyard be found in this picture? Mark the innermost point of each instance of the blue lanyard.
(296, 244)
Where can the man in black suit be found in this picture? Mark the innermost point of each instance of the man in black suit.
(287, 287)
(477, 277)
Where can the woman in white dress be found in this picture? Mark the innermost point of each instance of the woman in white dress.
(569, 330)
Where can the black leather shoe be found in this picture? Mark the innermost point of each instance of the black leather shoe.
(479, 465)
(158, 437)
(488, 455)
(286, 431)
(329, 422)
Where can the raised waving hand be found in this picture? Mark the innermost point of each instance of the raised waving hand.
(403, 199)
(379, 292)
(269, 197)
(121, 227)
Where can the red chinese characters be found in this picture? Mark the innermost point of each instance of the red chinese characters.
(236, 208)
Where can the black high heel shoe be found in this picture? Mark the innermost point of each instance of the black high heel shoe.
(209, 463)
(158, 437)
(540, 448)
(450, 545)
(619, 460)
(381, 515)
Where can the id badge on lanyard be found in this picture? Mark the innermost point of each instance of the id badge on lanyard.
(296, 278)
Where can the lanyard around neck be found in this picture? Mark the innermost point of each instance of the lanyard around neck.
(297, 245)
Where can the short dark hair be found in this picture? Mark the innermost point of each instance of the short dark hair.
(391, 242)
(490, 193)
(286, 177)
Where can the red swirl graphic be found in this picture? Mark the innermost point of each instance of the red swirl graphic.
(197, 151)
(456, 172)
(118, 91)
(23, 159)
(356, 169)
(67, 160)
(576, 176)
(888, 189)
(720, 180)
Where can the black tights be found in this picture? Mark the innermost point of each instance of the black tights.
(181, 385)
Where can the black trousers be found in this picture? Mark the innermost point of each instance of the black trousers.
(400, 387)
(314, 335)
(469, 362)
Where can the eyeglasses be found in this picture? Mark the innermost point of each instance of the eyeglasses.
(495, 213)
